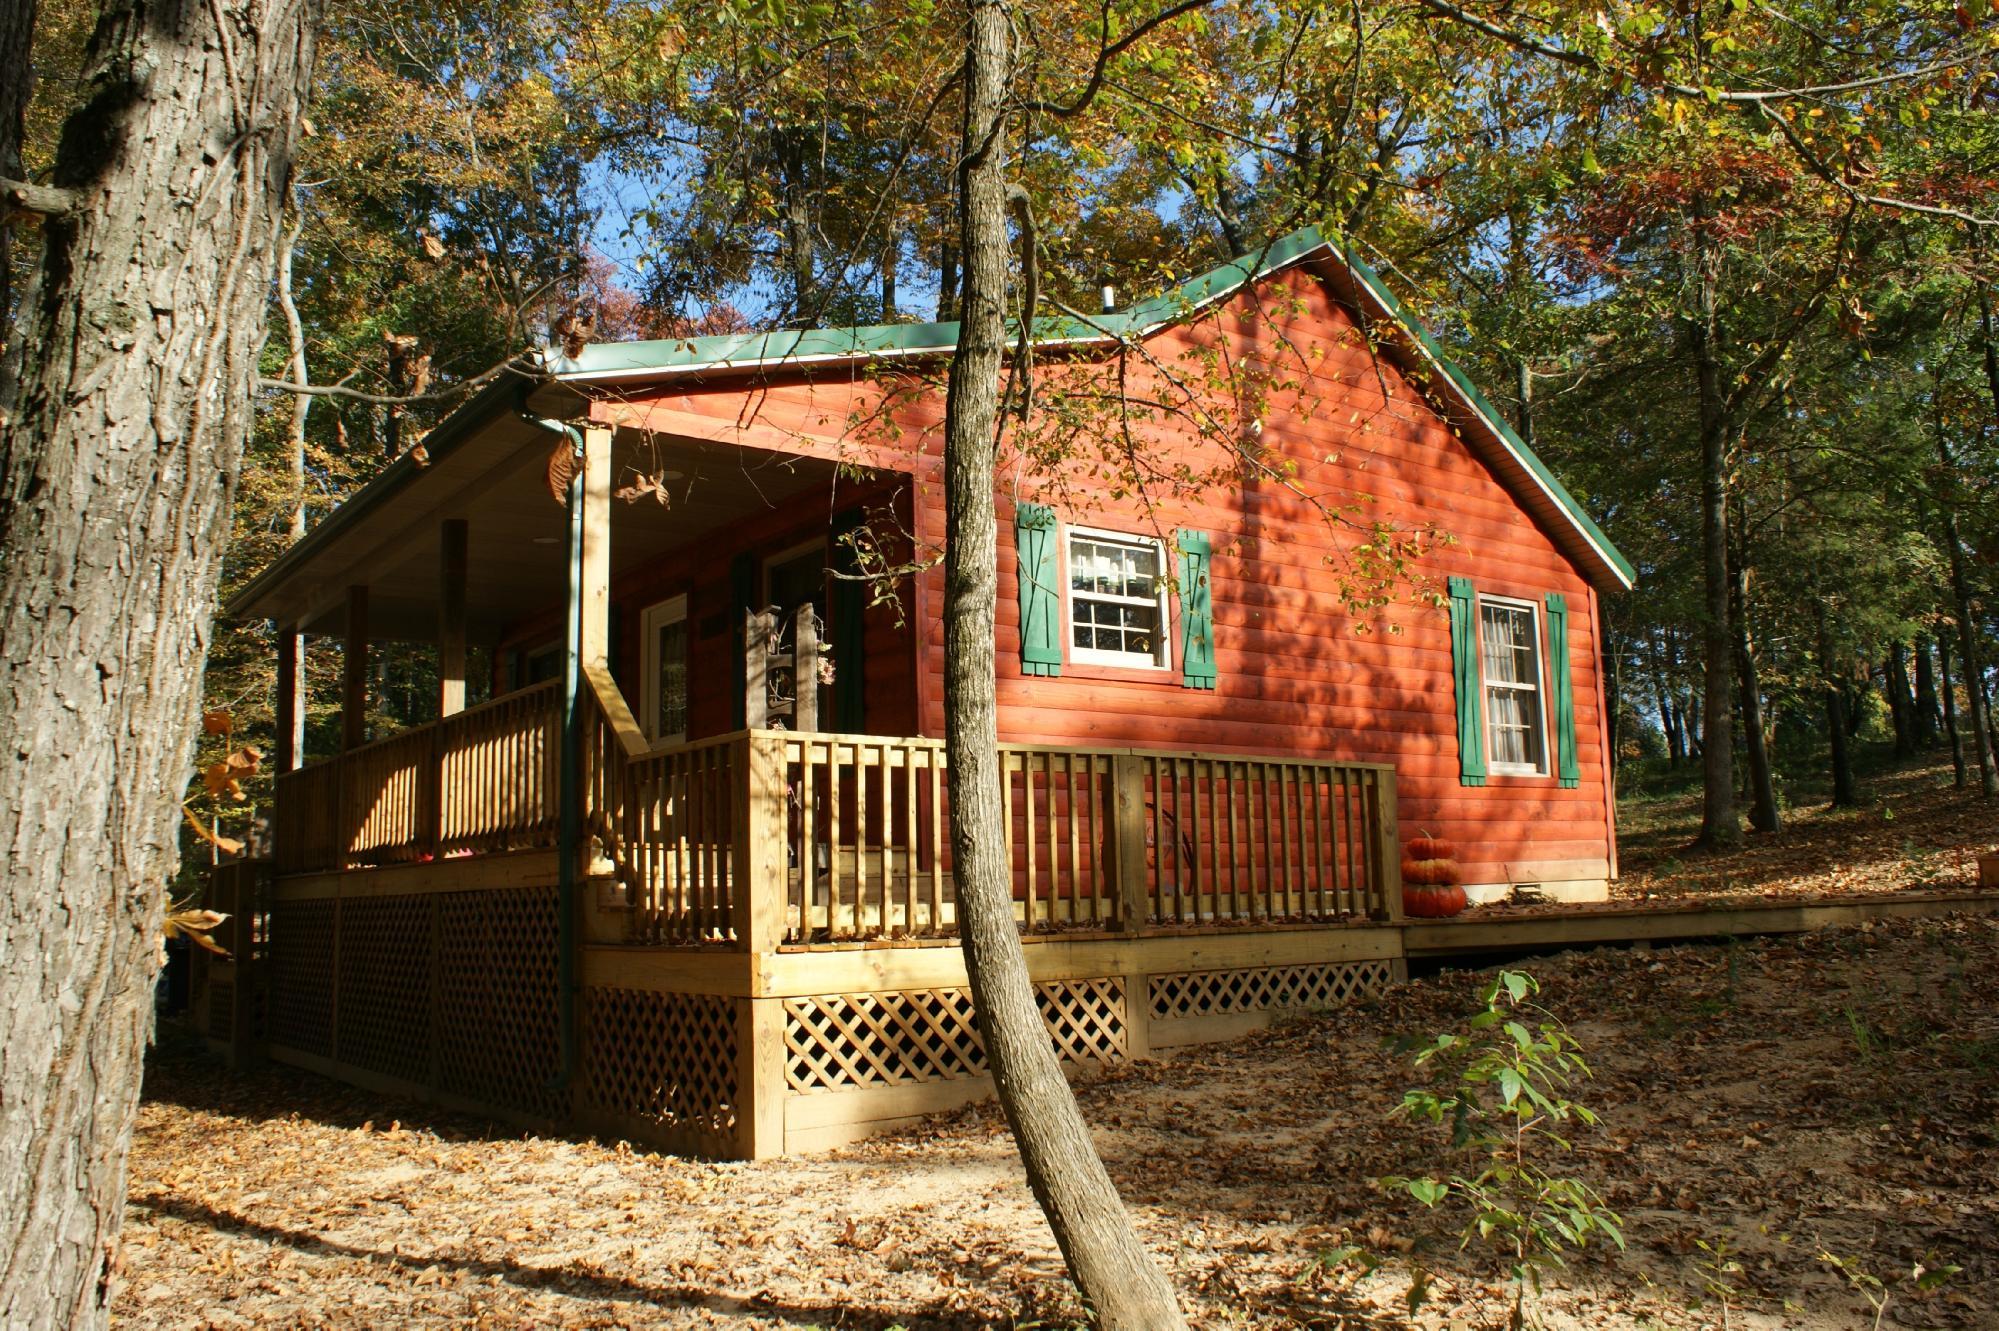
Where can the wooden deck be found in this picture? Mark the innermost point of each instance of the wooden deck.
(761, 954)
(1515, 930)
(439, 980)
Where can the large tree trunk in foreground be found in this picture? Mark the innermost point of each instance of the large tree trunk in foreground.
(1116, 1275)
(126, 397)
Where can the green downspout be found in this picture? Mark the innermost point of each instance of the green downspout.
(569, 784)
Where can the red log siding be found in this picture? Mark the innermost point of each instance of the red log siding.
(1297, 673)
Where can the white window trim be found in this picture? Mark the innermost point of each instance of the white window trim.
(1162, 660)
(673, 610)
(1533, 610)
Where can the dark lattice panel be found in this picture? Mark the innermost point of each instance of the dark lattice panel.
(847, 1041)
(221, 1018)
(301, 969)
(385, 1019)
(1263, 988)
(666, 1058)
(497, 1017)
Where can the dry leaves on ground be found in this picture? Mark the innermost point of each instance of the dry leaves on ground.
(1833, 1093)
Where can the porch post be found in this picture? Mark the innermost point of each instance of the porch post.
(595, 644)
(452, 570)
(291, 712)
(354, 694)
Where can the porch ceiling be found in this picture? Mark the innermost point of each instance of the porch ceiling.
(495, 478)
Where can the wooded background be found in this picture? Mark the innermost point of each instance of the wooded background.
(1727, 266)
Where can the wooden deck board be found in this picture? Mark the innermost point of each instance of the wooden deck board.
(1676, 920)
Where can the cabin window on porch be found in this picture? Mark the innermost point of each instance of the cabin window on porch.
(1117, 600)
(1510, 665)
(664, 667)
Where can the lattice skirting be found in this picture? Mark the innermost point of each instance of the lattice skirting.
(1264, 988)
(452, 993)
(301, 976)
(843, 1042)
(668, 1060)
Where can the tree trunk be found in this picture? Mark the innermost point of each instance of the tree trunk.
(1929, 718)
(1763, 813)
(127, 394)
(1970, 668)
(1844, 794)
(1901, 702)
(17, 35)
(1111, 1267)
(1719, 825)
(1949, 696)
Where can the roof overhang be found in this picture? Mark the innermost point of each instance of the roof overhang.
(487, 422)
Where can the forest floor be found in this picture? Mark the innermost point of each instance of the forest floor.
(1790, 1105)
(1911, 832)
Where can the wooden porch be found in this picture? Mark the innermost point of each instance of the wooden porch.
(762, 946)
(763, 924)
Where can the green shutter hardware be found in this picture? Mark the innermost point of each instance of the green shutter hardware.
(742, 600)
(1464, 673)
(850, 603)
(1565, 700)
(1040, 590)
(1197, 612)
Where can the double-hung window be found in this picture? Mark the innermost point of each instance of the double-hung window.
(1117, 600)
(1509, 640)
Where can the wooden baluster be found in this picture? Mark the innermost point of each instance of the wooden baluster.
(1285, 782)
(1317, 822)
(833, 843)
(1075, 839)
(808, 835)
(1027, 833)
(939, 786)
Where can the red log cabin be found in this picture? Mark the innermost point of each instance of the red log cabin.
(1278, 587)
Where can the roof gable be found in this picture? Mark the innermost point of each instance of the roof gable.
(619, 362)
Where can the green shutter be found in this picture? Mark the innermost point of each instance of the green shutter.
(1565, 699)
(850, 604)
(1197, 612)
(1040, 590)
(742, 599)
(1464, 673)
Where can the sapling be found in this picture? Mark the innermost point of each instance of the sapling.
(1504, 1098)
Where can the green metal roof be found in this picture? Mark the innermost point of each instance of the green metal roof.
(670, 358)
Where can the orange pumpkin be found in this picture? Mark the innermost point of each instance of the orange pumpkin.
(1427, 847)
(1428, 901)
(1430, 879)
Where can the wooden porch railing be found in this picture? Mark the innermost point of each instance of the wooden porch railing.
(762, 839)
(483, 779)
(773, 838)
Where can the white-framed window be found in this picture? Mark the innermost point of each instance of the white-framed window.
(663, 669)
(1509, 660)
(1117, 599)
